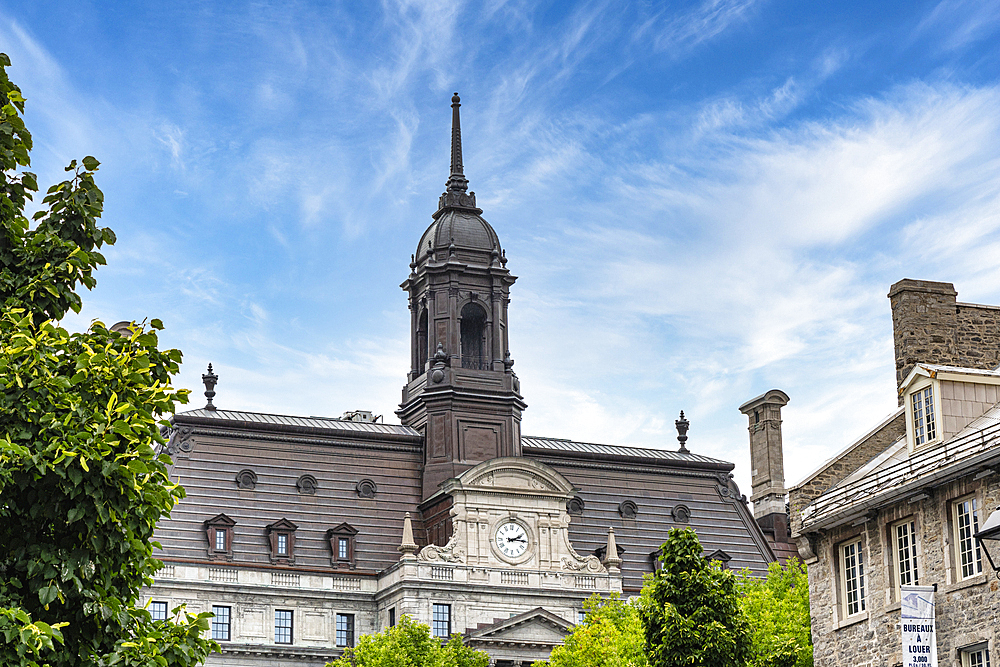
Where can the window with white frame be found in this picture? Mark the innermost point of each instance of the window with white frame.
(441, 621)
(220, 623)
(852, 577)
(924, 422)
(976, 656)
(158, 611)
(282, 626)
(904, 549)
(968, 558)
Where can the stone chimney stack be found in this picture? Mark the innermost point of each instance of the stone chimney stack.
(767, 465)
(924, 324)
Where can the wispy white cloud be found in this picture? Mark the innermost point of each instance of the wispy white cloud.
(687, 29)
(963, 22)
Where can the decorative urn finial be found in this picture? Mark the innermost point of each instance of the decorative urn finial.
(682, 425)
(210, 379)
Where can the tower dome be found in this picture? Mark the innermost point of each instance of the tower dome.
(465, 229)
(459, 230)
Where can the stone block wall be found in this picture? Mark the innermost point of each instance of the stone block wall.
(968, 612)
(863, 451)
(930, 326)
(977, 337)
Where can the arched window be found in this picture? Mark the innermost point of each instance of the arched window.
(474, 337)
(422, 343)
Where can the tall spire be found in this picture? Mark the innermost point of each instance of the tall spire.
(456, 194)
(457, 180)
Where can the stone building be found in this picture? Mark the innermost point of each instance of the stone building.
(303, 533)
(901, 505)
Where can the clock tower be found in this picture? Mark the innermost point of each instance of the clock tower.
(461, 391)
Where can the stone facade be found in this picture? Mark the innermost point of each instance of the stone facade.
(931, 326)
(968, 611)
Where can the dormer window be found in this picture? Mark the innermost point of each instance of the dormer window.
(219, 531)
(924, 421)
(928, 408)
(281, 536)
(342, 540)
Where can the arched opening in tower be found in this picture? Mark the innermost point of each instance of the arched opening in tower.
(474, 337)
(422, 343)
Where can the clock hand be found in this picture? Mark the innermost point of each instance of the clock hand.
(515, 539)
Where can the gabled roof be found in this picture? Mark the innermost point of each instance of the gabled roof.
(846, 450)
(950, 373)
(891, 476)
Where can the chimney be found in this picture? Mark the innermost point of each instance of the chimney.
(767, 474)
(924, 324)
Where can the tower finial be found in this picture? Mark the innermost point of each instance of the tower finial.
(456, 193)
(210, 379)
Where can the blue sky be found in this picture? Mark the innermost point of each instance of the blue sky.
(702, 200)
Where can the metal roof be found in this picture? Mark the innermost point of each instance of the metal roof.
(326, 423)
(563, 445)
(539, 444)
(976, 444)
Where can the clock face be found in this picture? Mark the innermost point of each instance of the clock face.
(511, 539)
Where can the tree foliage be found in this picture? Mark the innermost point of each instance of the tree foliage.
(610, 636)
(690, 609)
(81, 485)
(778, 610)
(409, 644)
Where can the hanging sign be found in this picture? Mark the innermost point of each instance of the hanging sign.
(917, 624)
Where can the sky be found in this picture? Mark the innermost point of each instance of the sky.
(702, 200)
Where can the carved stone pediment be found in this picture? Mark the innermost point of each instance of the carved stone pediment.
(537, 626)
(516, 474)
(513, 479)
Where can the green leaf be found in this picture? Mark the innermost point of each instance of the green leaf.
(47, 594)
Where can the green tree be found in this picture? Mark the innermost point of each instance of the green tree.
(778, 610)
(690, 609)
(610, 636)
(81, 485)
(409, 644)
